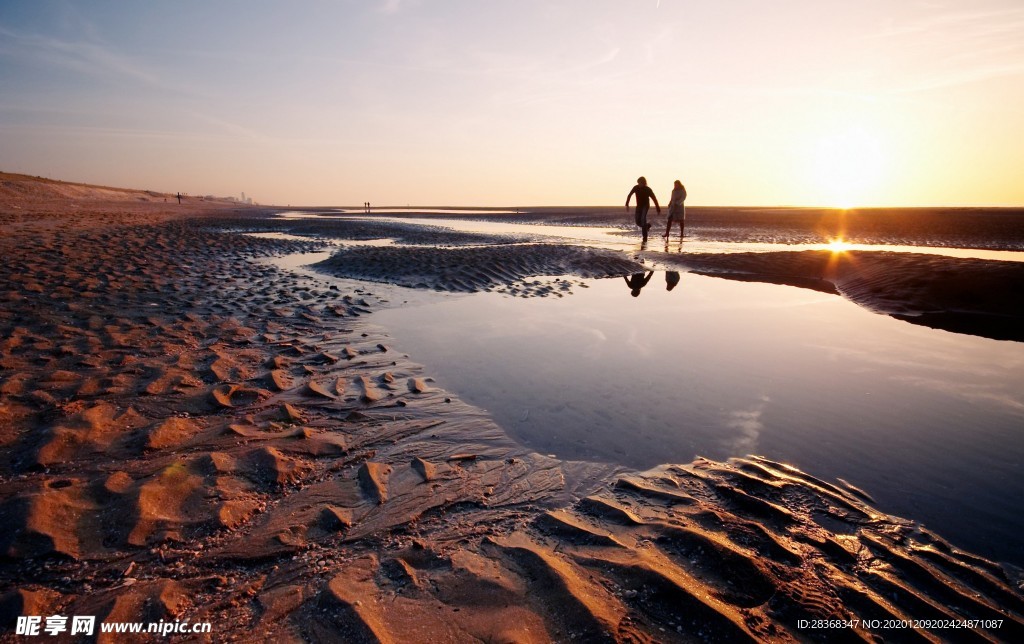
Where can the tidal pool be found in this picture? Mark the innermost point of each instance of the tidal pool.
(930, 423)
(619, 239)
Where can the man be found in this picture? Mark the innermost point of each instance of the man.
(643, 196)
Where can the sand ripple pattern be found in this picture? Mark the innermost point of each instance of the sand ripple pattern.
(188, 434)
(477, 268)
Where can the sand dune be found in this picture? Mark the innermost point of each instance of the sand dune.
(188, 434)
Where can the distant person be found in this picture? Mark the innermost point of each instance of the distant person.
(671, 280)
(637, 281)
(676, 209)
(179, 197)
(644, 194)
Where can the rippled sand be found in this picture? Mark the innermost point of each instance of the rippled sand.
(190, 434)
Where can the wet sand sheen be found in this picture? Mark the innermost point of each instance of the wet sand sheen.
(606, 237)
(191, 434)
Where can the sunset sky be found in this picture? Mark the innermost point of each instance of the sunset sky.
(520, 103)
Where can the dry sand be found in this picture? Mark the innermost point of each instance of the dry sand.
(189, 434)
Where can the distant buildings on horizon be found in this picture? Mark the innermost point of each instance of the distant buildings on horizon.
(244, 199)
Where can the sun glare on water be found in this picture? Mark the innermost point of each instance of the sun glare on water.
(839, 245)
(848, 167)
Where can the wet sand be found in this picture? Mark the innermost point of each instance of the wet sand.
(962, 295)
(190, 434)
(973, 296)
(987, 228)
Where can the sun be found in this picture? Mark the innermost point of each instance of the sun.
(848, 167)
(839, 245)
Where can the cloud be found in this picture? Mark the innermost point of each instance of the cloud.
(981, 394)
(964, 77)
(964, 24)
(747, 422)
(91, 58)
(390, 7)
(233, 129)
(960, 47)
(67, 132)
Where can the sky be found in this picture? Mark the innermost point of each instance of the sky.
(519, 103)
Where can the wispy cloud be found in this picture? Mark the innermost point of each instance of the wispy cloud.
(982, 394)
(228, 135)
(105, 133)
(391, 7)
(747, 423)
(964, 24)
(959, 47)
(231, 129)
(964, 77)
(91, 58)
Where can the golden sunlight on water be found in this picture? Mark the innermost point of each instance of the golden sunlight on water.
(839, 245)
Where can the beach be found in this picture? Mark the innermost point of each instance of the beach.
(192, 433)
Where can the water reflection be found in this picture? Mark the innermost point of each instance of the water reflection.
(671, 280)
(637, 281)
(608, 237)
(725, 368)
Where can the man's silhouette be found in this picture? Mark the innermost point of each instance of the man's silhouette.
(644, 194)
(637, 281)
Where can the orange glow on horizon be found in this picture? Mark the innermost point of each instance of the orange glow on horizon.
(853, 105)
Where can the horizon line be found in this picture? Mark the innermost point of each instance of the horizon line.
(520, 207)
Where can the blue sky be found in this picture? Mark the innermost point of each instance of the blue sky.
(521, 103)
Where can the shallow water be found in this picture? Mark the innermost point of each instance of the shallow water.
(698, 246)
(616, 238)
(302, 214)
(930, 423)
(298, 261)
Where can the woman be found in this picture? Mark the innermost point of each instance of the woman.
(676, 209)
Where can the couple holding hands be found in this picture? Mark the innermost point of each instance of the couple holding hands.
(644, 195)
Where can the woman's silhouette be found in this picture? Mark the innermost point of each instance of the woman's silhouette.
(676, 209)
(671, 280)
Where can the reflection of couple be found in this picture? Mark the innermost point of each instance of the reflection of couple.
(644, 195)
(637, 281)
